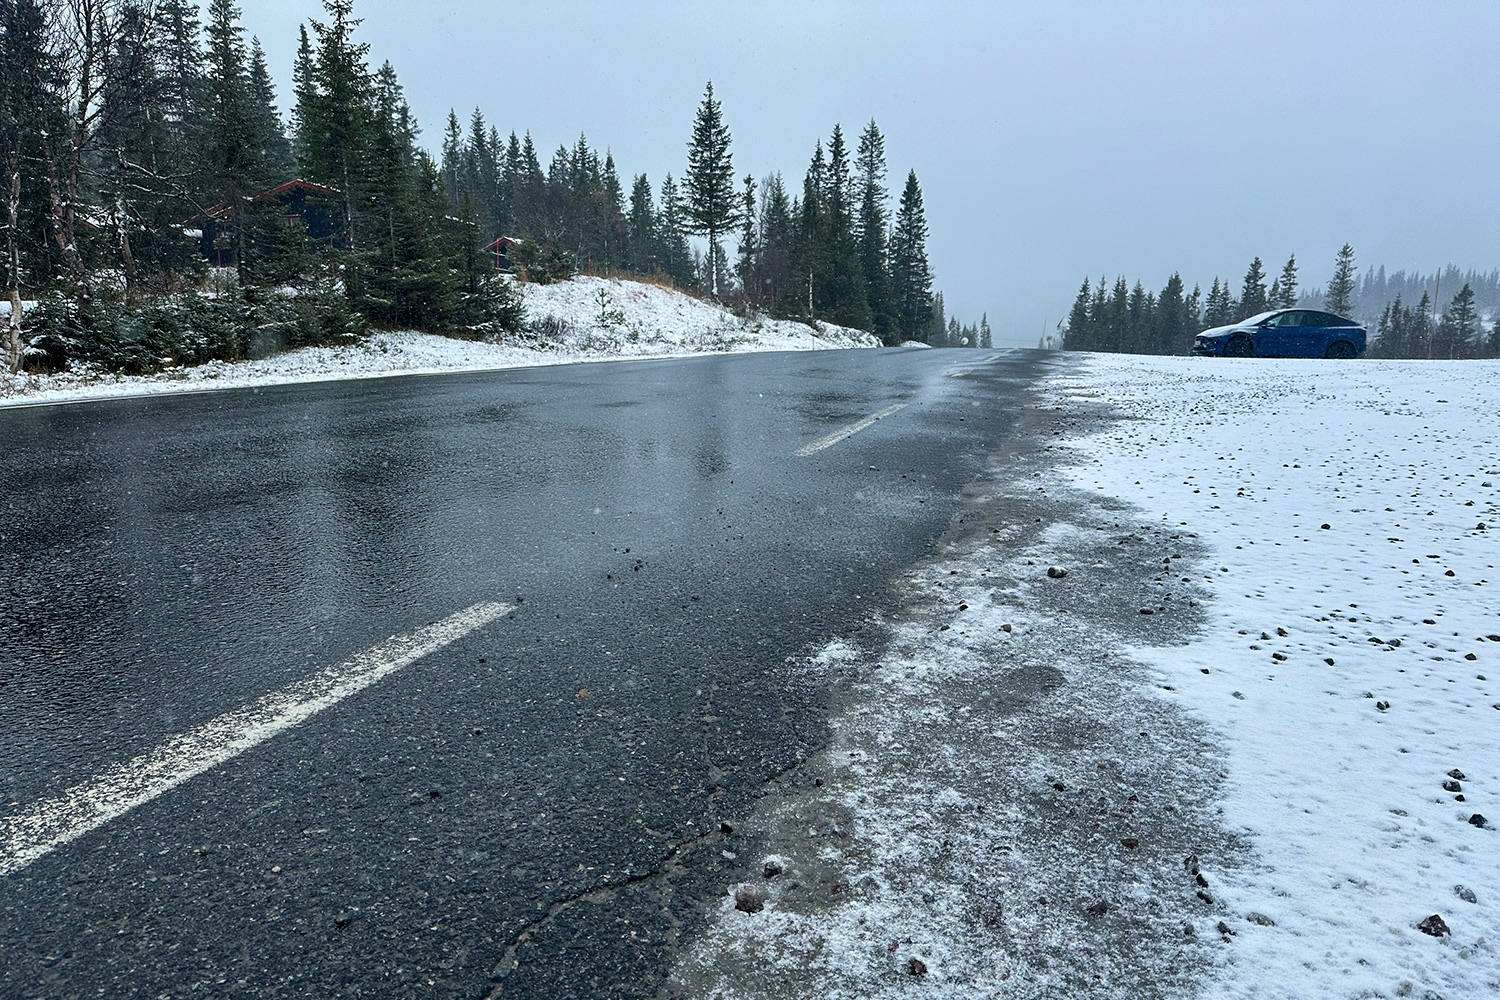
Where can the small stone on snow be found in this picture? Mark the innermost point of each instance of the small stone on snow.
(1434, 925)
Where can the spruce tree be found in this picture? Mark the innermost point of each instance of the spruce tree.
(1286, 286)
(911, 278)
(986, 336)
(1340, 296)
(712, 206)
(749, 242)
(304, 94)
(872, 224)
(1078, 336)
(453, 158)
(841, 295)
(1253, 294)
(1175, 330)
(676, 256)
(338, 125)
(777, 237)
(269, 140)
(1460, 334)
(936, 331)
(641, 255)
(611, 199)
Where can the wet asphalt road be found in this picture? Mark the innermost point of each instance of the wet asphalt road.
(167, 560)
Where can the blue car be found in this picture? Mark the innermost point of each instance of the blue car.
(1285, 333)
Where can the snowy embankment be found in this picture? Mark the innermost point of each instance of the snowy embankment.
(586, 319)
(1351, 656)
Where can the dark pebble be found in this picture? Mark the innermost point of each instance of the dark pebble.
(1465, 893)
(1477, 820)
(747, 900)
(1098, 909)
(1456, 774)
(1056, 572)
(1452, 786)
(1434, 925)
(916, 967)
(772, 869)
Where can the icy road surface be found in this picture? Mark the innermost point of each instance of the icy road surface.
(1236, 744)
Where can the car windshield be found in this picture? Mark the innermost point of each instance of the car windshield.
(1260, 317)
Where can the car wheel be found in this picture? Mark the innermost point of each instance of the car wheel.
(1340, 349)
(1239, 347)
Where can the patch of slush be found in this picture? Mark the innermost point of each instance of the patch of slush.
(996, 770)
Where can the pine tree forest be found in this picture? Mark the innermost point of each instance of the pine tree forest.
(1126, 318)
(165, 206)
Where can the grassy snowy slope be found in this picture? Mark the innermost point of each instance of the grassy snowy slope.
(587, 319)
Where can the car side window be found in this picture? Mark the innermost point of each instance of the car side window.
(1294, 318)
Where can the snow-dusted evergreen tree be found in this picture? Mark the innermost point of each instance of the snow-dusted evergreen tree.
(1339, 299)
(1219, 308)
(840, 295)
(712, 207)
(749, 248)
(676, 256)
(304, 94)
(1253, 293)
(1285, 296)
(871, 228)
(640, 231)
(911, 278)
(937, 332)
(986, 336)
(1459, 333)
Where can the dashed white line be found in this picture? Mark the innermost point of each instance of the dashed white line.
(843, 433)
(48, 824)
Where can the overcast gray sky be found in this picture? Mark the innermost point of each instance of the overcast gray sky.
(1052, 140)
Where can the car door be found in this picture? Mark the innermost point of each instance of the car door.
(1321, 329)
(1277, 337)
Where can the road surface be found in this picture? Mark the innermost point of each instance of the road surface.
(349, 688)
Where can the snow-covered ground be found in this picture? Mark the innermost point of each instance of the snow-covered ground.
(1208, 760)
(591, 319)
(1351, 657)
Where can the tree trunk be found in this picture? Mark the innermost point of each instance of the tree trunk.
(63, 189)
(13, 258)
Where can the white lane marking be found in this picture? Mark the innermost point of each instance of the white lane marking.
(50, 823)
(829, 440)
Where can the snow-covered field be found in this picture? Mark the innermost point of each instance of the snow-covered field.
(1351, 658)
(592, 319)
(1208, 760)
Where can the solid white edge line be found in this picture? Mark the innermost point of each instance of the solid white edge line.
(49, 823)
(829, 440)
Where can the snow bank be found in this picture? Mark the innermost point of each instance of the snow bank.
(1351, 661)
(591, 319)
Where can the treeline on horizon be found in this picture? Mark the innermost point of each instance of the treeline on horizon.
(1131, 320)
(139, 145)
